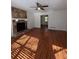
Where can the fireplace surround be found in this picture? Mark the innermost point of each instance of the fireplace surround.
(19, 26)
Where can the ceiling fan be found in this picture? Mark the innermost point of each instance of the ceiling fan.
(40, 7)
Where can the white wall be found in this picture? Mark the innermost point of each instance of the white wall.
(30, 21)
(56, 18)
(11, 29)
(37, 18)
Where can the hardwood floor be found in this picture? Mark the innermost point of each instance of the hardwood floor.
(40, 44)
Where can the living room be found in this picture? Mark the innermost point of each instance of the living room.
(57, 14)
(39, 23)
(39, 29)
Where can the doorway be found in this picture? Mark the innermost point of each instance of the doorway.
(44, 21)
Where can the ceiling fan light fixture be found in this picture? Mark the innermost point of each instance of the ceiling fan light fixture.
(39, 8)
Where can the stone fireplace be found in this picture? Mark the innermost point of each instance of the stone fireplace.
(19, 26)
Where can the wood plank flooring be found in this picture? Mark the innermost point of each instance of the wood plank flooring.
(40, 44)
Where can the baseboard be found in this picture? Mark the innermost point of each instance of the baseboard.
(57, 30)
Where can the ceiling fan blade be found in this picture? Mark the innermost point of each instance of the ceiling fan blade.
(45, 6)
(42, 8)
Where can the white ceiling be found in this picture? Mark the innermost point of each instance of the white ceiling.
(52, 4)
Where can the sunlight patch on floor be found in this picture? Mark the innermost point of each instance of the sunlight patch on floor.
(15, 45)
(23, 39)
(32, 43)
(59, 52)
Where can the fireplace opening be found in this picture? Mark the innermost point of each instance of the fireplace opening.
(21, 26)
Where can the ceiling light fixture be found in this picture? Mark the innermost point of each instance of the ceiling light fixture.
(39, 8)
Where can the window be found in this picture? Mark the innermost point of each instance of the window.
(46, 19)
